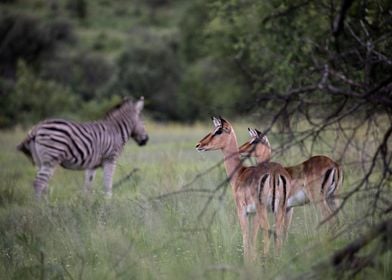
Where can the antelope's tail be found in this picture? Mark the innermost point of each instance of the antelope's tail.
(279, 192)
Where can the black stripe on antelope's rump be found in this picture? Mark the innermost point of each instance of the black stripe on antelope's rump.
(326, 176)
(284, 188)
(261, 186)
(335, 182)
(273, 192)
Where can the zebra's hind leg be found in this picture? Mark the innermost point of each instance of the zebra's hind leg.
(41, 180)
(89, 176)
(108, 171)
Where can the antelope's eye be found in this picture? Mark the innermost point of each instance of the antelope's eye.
(219, 131)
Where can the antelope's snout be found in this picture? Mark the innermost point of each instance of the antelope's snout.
(199, 147)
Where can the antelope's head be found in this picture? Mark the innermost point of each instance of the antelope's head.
(218, 137)
(257, 146)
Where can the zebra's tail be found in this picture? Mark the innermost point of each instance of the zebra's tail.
(24, 146)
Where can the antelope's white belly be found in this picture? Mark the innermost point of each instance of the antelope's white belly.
(297, 199)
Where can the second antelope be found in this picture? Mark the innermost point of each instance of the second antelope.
(316, 180)
(256, 189)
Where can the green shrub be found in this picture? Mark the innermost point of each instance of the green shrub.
(78, 8)
(149, 66)
(28, 38)
(86, 73)
(208, 89)
(34, 99)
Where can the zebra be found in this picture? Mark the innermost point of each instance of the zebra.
(83, 146)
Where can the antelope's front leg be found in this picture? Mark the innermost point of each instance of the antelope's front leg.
(245, 232)
(89, 176)
(108, 171)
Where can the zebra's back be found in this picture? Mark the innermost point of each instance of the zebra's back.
(71, 144)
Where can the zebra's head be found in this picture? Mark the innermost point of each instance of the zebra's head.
(128, 120)
(139, 133)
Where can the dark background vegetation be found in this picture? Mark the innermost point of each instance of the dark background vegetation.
(326, 65)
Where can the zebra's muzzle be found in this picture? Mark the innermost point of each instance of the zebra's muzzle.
(143, 141)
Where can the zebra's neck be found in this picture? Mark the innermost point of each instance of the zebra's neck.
(121, 122)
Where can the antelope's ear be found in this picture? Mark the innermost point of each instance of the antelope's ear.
(139, 104)
(253, 133)
(265, 140)
(216, 121)
(225, 124)
(258, 133)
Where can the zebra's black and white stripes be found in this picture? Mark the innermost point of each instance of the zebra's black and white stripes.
(84, 146)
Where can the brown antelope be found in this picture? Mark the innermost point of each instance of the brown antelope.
(256, 189)
(315, 180)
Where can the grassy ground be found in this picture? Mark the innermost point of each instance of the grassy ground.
(135, 235)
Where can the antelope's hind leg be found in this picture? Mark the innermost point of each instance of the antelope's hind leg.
(280, 228)
(254, 221)
(264, 223)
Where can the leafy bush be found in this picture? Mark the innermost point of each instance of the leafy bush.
(28, 38)
(149, 66)
(86, 73)
(208, 89)
(78, 8)
(34, 99)
(96, 108)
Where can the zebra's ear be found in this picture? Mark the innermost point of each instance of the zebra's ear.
(139, 104)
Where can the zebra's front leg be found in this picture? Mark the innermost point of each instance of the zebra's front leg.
(41, 180)
(108, 171)
(89, 176)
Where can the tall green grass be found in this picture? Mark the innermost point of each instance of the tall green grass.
(154, 227)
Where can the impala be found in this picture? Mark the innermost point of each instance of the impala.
(256, 189)
(316, 180)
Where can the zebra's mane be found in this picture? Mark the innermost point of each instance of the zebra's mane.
(114, 111)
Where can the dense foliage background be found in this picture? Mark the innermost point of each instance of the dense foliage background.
(188, 58)
(316, 75)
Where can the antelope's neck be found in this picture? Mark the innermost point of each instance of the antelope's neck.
(264, 155)
(232, 160)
